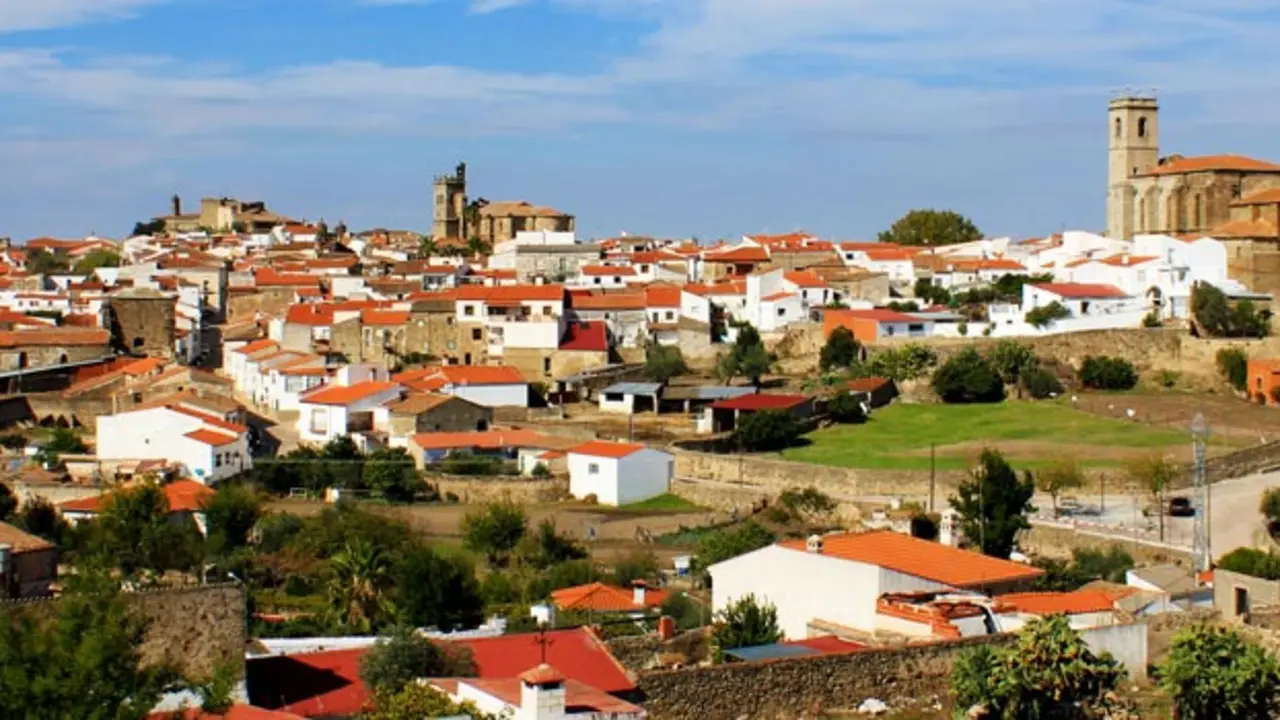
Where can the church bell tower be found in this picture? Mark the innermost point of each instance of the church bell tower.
(1133, 149)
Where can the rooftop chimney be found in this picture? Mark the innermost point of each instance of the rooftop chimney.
(542, 694)
(814, 544)
(638, 588)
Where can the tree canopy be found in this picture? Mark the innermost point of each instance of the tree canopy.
(1215, 315)
(137, 533)
(494, 530)
(663, 362)
(931, 227)
(993, 504)
(747, 358)
(968, 377)
(767, 430)
(405, 655)
(840, 351)
(95, 259)
(746, 622)
(1212, 672)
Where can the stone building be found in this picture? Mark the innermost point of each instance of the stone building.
(222, 215)
(429, 412)
(23, 349)
(491, 222)
(434, 330)
(141, 322)
(1252, 239)
(1171, 195)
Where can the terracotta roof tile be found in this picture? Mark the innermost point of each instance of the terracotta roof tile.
(1082, 290)
(586, 337)
(346, 394)
(1067, 603)
(183, 496)
(761, 402)
(606, 301)
(1262, 197)
(1211, 163)
(384, 317)
(920, 558)
(744, 254)
(20, 540)
(605, 449)
(664, 296)
(599, 597)
(54, 336)
(211, 438)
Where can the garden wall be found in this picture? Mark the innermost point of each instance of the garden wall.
(772, 476)
(902, 677)
(481, 490)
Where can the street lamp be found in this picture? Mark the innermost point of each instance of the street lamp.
(1199, 437)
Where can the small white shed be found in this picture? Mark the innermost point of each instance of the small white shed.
(619, 473)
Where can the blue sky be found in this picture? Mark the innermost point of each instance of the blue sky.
(710, 118)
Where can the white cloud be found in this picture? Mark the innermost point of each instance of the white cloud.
(18, 15)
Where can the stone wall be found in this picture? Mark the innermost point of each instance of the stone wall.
(901, 677)
(476, 490)
(1161, 629)
(54, 493)
(773, 476)
(1260, 458)
(1060, 541)
(143, 324)
(196, 628)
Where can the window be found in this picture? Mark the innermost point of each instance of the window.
(546, 309)
(546, 365)
(782, 312)
(475, 333)
(138, 342)
(597, 281)
(1118, 128)
(644, 268)
(593, 469)
(449, 321)
(469, 310)
(1142, 127)
(1241, 600)
(217, 460)
(671, 315)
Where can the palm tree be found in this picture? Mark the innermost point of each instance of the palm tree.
(360, 574)
(427, 246)
(476, 246)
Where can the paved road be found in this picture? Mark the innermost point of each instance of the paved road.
(1235, 520)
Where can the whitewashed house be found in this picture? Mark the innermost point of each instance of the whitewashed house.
(346, 405)
(210, 448)
(619, 473)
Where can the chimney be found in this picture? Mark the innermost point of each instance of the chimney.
(638, 588)
(814, 544)
(542, 694)
(177, 204)
(666, 628)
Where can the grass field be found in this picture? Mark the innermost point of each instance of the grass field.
(1029, 434)
(662, 503)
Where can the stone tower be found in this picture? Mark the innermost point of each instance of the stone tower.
(141, 321)
(450, 193)
(1133, 148)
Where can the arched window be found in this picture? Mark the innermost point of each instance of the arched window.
(1198, 220)
(1142, 127)
(1118, 126)
(22, 360)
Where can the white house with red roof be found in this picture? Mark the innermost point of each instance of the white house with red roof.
(892, 260)
(210, 448)
(185, 497)
(487, 385)
(833, 584)
(619, 473)
(540, 693)
(606, 276)
(346, 404)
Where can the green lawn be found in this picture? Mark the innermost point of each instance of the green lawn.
(662, 503)
(898, 437)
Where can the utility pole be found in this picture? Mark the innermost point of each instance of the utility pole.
(1102, 493)
(1200, 541)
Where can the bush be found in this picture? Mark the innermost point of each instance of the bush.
(1216, 316)
(846, 408)
(1211, 672)
(1042, 384)
(968, 377)
(1270, 509)
(1108, 373)
(1233, 365)
(1167, 379)
(1151, 320)
(767, 430)
(841, 350)
(1042, 316)
(1252, 562)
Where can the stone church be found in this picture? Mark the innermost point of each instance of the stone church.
(1233, 198)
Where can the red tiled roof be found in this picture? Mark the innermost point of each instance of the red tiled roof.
(347, 394)
(209, 437)
(500, 294)
(586, 337)
(53, 336)
(384, 317)
(778, 296)
(462, 375)
(1210, 163)
(266, 277)
(182, 495)
(315, 314)
(213, 420)
(484, 440)
(1262, 197)
(327, 684)
(255, 346)
(920, 558)
(20, 540)
(579, 698)
(746, 253)
(879, 315)
(606, 449)
(1082, 290)
(606, 301)
(662, 296)
(1124, 260)
(599, 597)
(805, 279)
(827, 645)
(1067, 603)
(237, 712)
(761, 402)
(143, 366)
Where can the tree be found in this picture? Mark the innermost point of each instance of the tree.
(43, 262)
(546, 547)
(993, 504)
(39, 517)
(1252, 562)
(83, 660)
(151, 227)
(1215, 315)
(729, 543)
(767, 430)
(230, 515)
(745, 622)
(360, 576)
(1050, 672)
(427, 247)
(908, 362)
(8, 503)
(930, 293)
(95, 259)
(663, 362)
(1085, 566)
(636, 565)
(404, 655)
(1058, 478)
(841, 350)
(437, 590)
(931, 227)
(495, 530)
(391, 472)
(61, 441)
(135, 530)
(1270, 509)
(968, 378)
(1233, 365)
(1041, 317)
(415, 702)
(687, 612)
(748, 357)
(807, 503)
(846, 407)
(1012, 361)
(1154, 473)
(1041, 384)
(1108, 373)
(1213, 673)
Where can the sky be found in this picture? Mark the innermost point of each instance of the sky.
(678, 118)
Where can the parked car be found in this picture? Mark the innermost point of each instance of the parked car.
(1181, 507)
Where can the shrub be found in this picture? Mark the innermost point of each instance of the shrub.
(1212, 672)
(1167, 378)
(963, 329)
(767, 430)
(846, 408)
(1252, 562)
(1216, 316)
(1233, 365)
(1151, 320)
(1041, 384)
(841, 350)
(968, 377)
(1042, 316)
(1108, 373)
